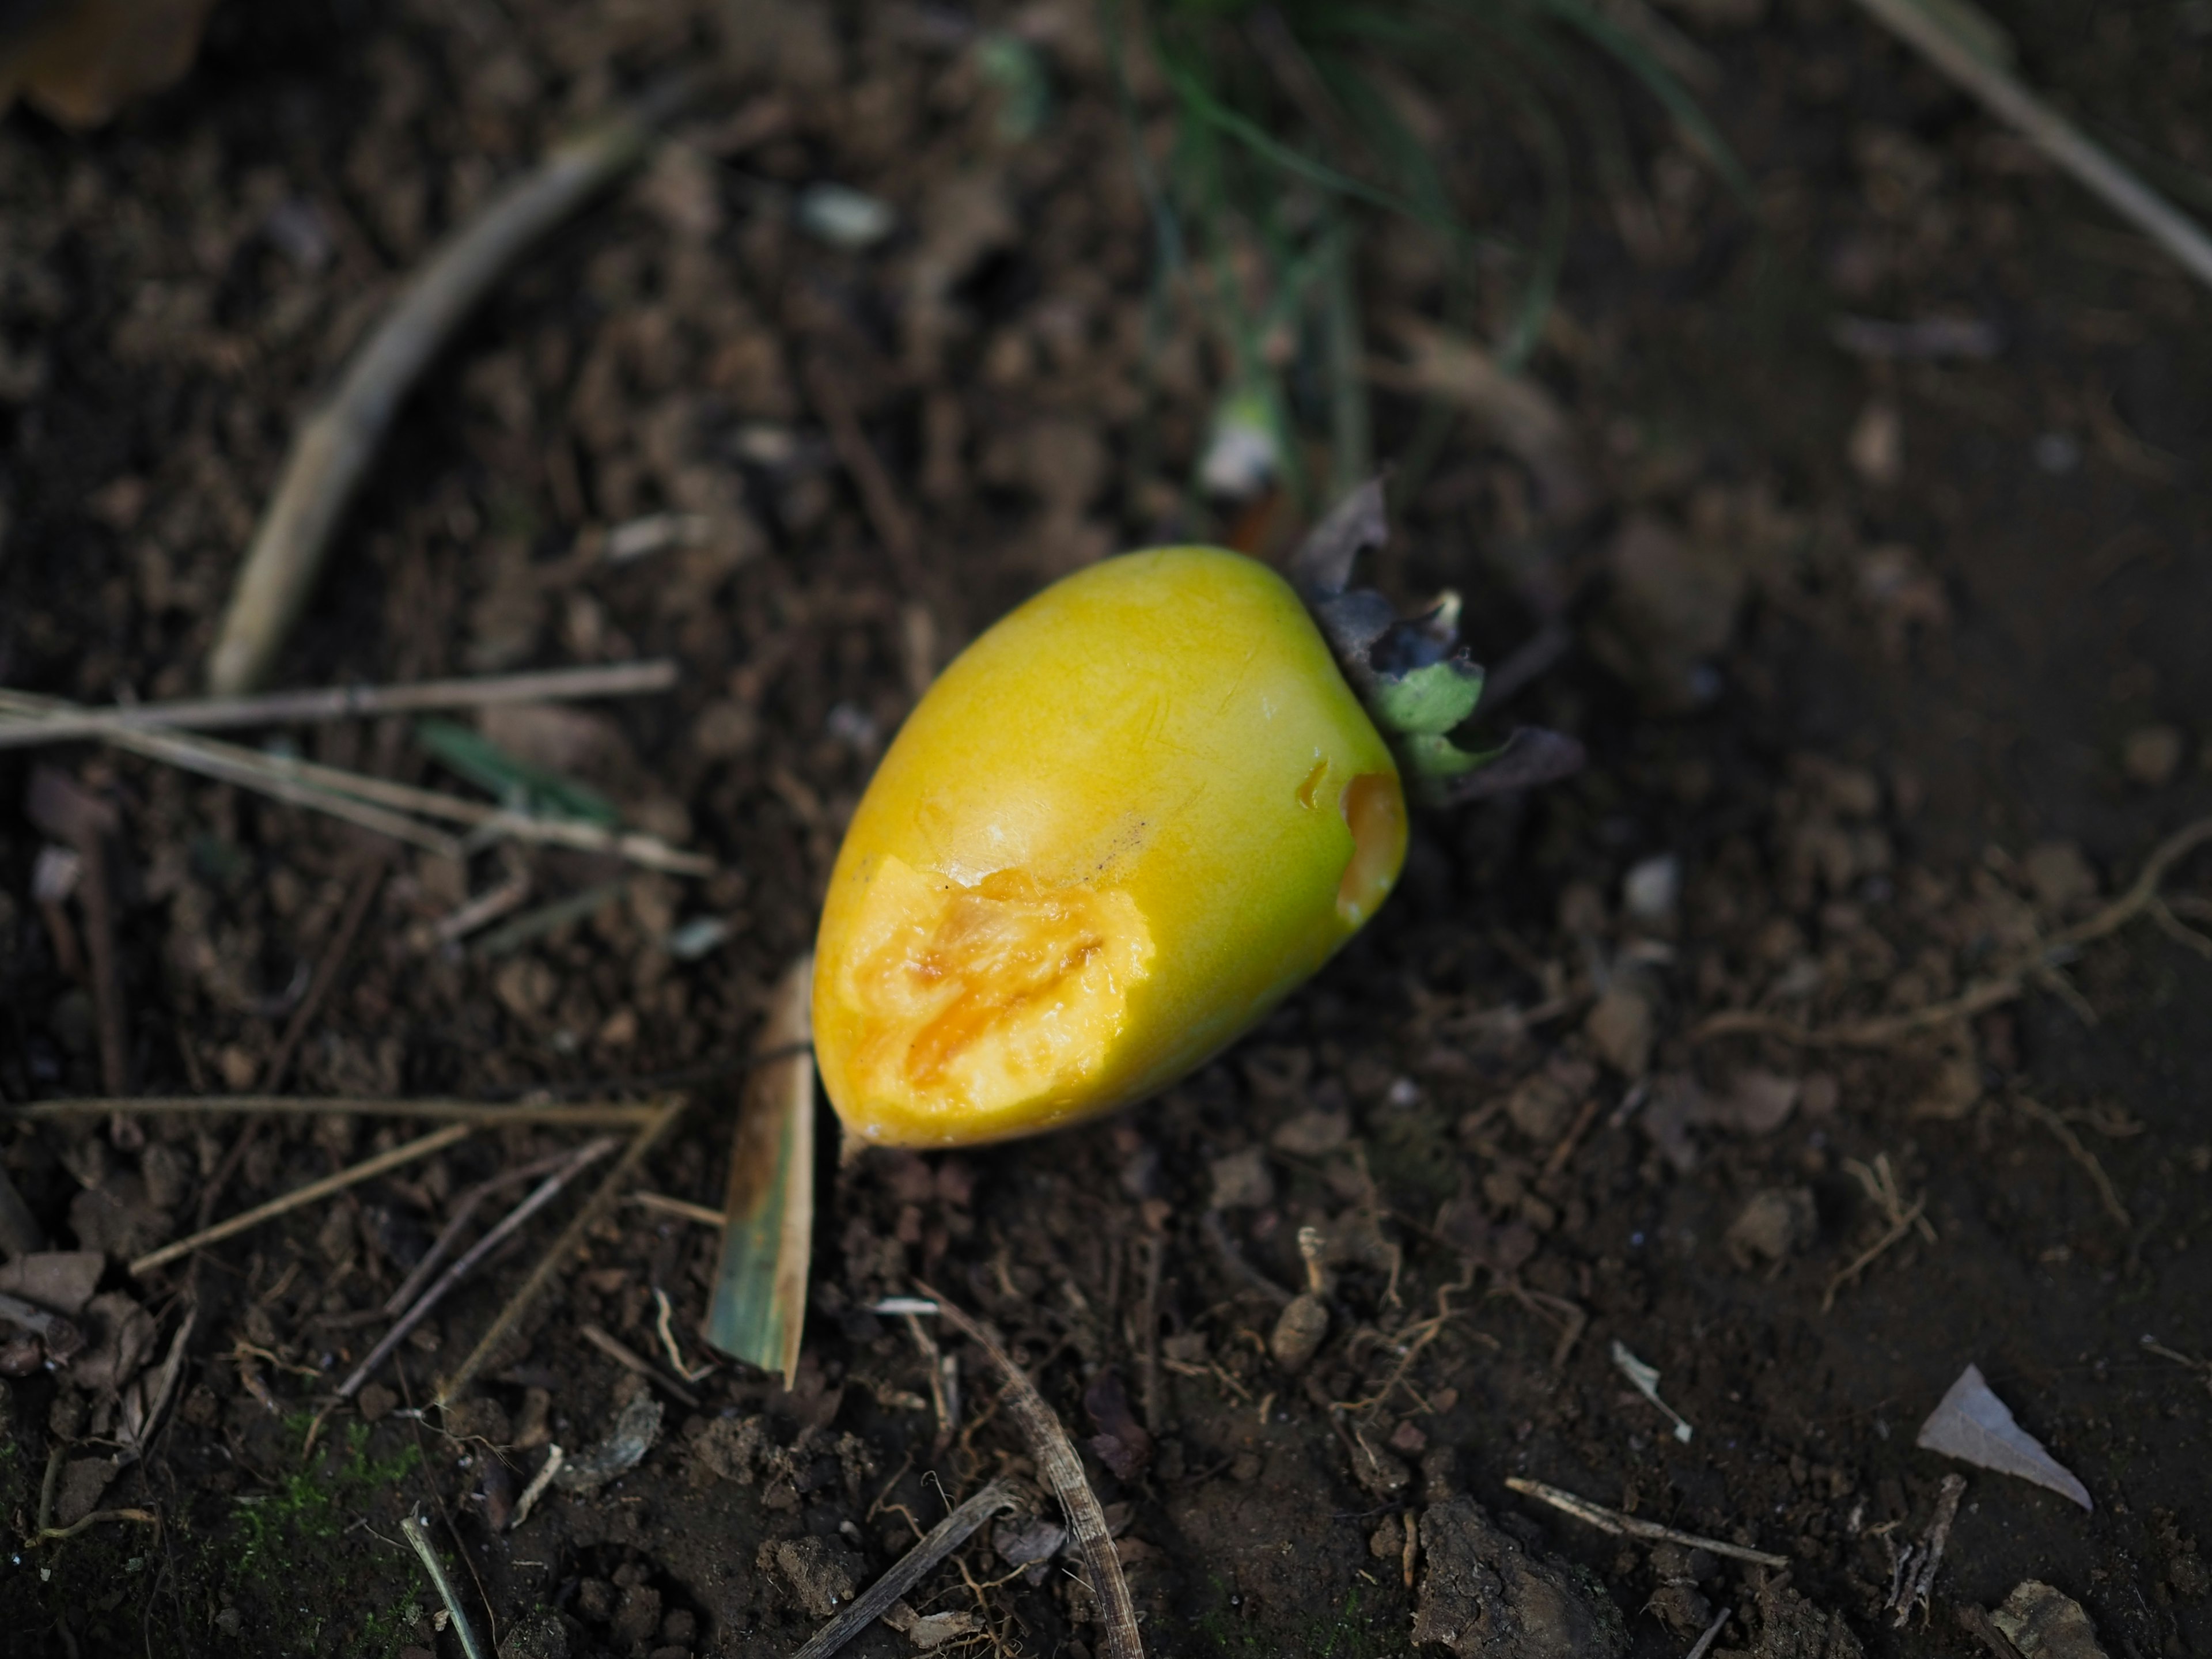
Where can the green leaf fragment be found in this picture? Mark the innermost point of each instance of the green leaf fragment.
(516, 783)
(1428, 700)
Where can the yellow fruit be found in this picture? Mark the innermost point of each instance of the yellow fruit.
(1122, 825)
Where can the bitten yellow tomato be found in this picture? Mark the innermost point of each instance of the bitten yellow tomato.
(1118, 829)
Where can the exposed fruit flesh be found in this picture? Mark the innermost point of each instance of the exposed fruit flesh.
(972, 999)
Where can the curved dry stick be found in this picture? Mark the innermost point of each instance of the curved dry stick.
(2141, 899)
(335, 449)
(1063, 1472)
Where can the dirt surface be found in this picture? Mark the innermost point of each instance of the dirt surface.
(1887, 668)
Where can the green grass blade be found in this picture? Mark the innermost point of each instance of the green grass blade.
(1634, 55)
(492, 769)
(759, 1307)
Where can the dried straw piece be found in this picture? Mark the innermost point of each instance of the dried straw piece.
(1629, 1526)
(368, 1169)
(630, 1360)
(63, 721)
(376, 803)
(332, 453)
(1970, 63)
(601, 1114)
(1063, 1472)
(946, 1536)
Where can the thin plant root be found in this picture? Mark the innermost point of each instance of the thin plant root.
(2142, 899)
(1063, 1472)
(2106, 1193)
(1881, 1184)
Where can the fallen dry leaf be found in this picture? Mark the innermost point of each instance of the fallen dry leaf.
(81, 62)
(1973, 1426)
(60, 1281)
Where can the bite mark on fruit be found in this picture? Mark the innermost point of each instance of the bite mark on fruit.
(977, 999)
(1373, 808)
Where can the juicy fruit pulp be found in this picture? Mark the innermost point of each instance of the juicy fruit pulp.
(1121, 827)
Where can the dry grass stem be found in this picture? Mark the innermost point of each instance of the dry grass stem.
(682, 1208)
(587, 1115)
(368, 1169)
(1929, 31)
(463, 1209)
(601, 1200)
(547, 1190)
(333, 451)
(249, 769)
(2063, 1133)
(1629, 1526)
(630, 1360)
(1062, 1471)
(63, 722)
(384, 807)
(946, 1536)
(365, 887)
(1887, 1031)
(887, 513)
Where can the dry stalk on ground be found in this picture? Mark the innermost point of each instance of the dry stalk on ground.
(333, 452)
(1062, 1470)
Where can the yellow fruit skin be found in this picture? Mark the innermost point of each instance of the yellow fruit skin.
(1116, 827)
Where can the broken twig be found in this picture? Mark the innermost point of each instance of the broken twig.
(1063, 1472)
(332, 453)
(1628, 1526)
(1912, 1575)
(946, 1536)
(368, 1169)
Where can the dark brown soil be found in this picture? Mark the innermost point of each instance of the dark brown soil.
(1869, 693)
